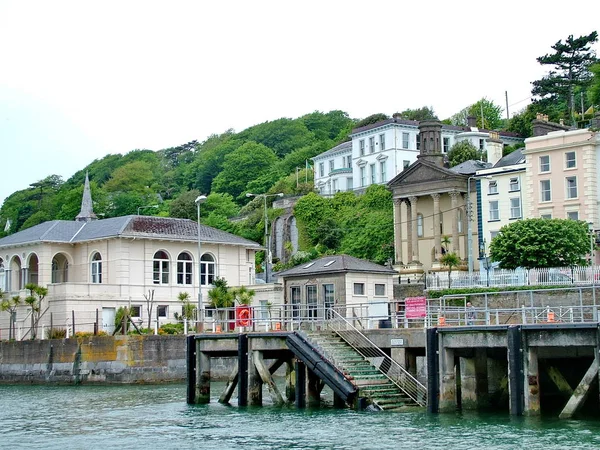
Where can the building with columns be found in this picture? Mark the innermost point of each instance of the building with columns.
(431, 205)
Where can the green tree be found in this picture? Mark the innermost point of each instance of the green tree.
(242, 295)
(594, 89)
(10, 306)
(451, 261)
(137, 176)
(188, 309)
(184, 206)
(570, 70)
(463, 151)
(34, 300)
(423, 113)
(492, 115)
(533, 243)
(281, 135)
(242, 166)
(373, 118)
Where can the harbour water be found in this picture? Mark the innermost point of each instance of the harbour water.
(148, 417)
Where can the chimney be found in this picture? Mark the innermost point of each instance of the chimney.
(541, 126)
(494, 147)
(596, 121)
(472, 122)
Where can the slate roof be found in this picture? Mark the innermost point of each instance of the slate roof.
(340, 147)
(336, 264)
(145, 227)
(470, 167)
(511, 159)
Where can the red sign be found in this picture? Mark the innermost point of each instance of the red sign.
(243, 316)
(415, 307)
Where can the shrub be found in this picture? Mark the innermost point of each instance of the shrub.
(171, 328)
(56, 333)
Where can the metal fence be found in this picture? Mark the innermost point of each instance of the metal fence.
(556, 276)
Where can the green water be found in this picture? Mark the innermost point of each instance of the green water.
(157, 417)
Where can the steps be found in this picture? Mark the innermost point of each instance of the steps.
(372, 384)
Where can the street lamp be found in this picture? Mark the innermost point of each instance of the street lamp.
(143, 207)
(199, 199)
(267, 240)
(591, 230)
(470, 223)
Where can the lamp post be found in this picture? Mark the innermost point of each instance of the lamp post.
(199, 199)
(143, 207)
(591, 230)
(470, 224)
(267, 240)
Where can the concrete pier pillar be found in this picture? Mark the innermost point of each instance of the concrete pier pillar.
(481, 374)
(313, 390)
(290, 382)
(203, 380)
(497, 382)
(515, 370)
(447, 380)
(255, 382)
(468, 383)
(531, 383)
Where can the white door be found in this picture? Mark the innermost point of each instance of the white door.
(108, 320)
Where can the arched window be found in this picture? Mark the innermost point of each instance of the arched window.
(55, 272)
(460, 221)
(2, 276)
(60, 269)
(207, 269)
(96, 268)
(419, 225)
(184, 269)
(161, 268)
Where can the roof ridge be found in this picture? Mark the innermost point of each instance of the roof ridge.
(54, 224)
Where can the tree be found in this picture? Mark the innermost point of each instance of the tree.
(423, 113)
(463, 151)
(10, 306)
(188, 309)
(243, 295)
(570, 71)
(373, 118)
(149, 305)
(594, 89)
(220, 297)
(450, 260)
(533, 243)
(492, 115)
(34, 300)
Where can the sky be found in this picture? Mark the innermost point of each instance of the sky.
(83, 79)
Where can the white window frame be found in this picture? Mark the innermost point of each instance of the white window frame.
(492, 187)
(515, 208)
(544, 163)
(372, 144)
(359, 289)
(380, 289)
(349, 184)
(545, 191)
(160, 268)
(405, 139)
(185, 268)
(96, 268)
(420, 225)
(573, 215)
(373, 173)
(208, 269)
(382, 171)
(162, 311)
(331, 165)
(321, 169)
(312, 301)
(570, 163)
(446, 144)
(363, 176)
(361, 147)
(494, 210)
(382, 142)
(571, 190)
(514, 185)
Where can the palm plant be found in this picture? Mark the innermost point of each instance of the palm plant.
(450, 260)
(34, 300)
(10, 306)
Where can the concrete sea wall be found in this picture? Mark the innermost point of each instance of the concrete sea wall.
(97, 359)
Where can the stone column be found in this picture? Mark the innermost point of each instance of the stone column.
(455, 242)
(532, 383)
(474, 382)
(413, 220)
(481, 371)
(409, 232)
(202, 377)
(437, 235)
(447, 380)
(398, 230)
(255, 383)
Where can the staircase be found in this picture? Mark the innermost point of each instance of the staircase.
(381, 392)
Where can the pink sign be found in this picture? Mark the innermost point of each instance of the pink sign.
(415, 307)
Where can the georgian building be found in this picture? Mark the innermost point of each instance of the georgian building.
(380, 151)
(95, 266)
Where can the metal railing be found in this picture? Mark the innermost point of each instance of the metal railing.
(382, 362)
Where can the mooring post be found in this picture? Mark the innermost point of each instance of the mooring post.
(243, 370)
(300, 384)
(191, 368)
(515, 369)
(433, 388)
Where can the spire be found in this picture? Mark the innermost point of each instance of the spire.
(87, 211)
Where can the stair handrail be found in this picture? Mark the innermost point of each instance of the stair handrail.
(377, 357)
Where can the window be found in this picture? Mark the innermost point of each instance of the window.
(405, 140)
(405, 164)
(419, 225)
(514, 185)
(96, 268)
(515, 208)
(331, 165)
(328, 295)
(373, 173)
(162, 311)
(570, 162)
(545, 163)
(418, 142)
(334, 185)
(494, 212)
(160, 269)
(446, 142)
(349, 183)
(382, 171)
(363, 176)
(264, 309)
(184, 268)
(349, 161)
(321, 169)
(460, 221)
(573, 215)
(545, 216)
(295, 301)
(135, 311)
(571, 187)
(359, 288)
(371, 145)
(492, 187)
(361, 147)
(382, 142)
(311, 300)
(249, 255)
(207, 269)
(545, 193)
(493, 234)
(481, 144)
(379, 289)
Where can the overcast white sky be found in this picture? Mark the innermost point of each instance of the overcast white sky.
(83, 79)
